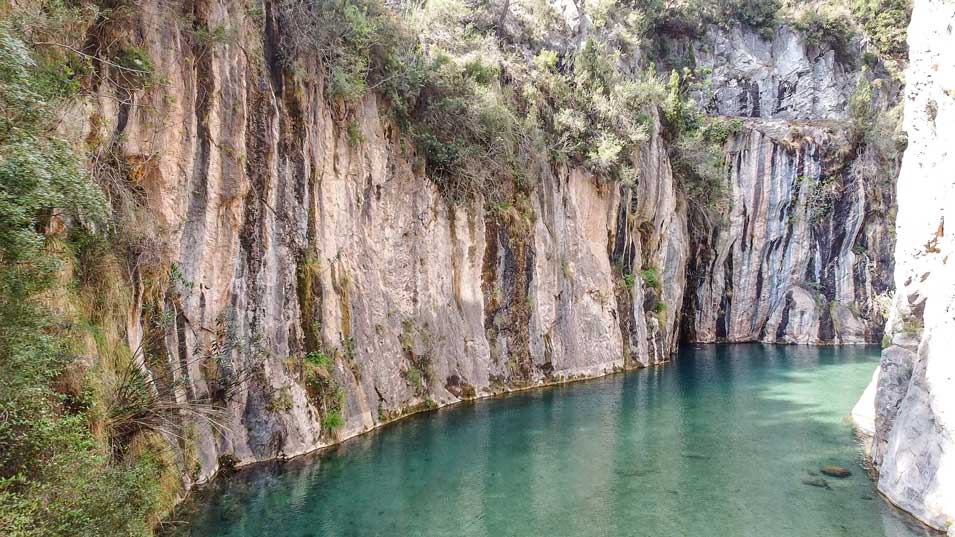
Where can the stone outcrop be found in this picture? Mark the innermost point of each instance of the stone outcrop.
(909, 409)
(783, 76)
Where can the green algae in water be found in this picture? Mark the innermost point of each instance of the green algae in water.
(719, 443)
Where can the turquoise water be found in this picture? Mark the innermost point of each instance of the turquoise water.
(718, 443)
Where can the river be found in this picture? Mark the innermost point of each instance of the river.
(727, 440)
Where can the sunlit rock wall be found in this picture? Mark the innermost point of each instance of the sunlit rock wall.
(288, 237)
(780, 75)
(911, 411)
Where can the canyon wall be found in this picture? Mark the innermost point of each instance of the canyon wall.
(804, 254)
(290, 236)
(298, 230)
(908, 410)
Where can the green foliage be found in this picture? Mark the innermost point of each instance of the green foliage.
(353, 130)
(38, 173)
(318, 359)
(629, 280)
(207, 37)
(885, 22)
(418, 373)
(860, 105)
(820, 196)
(359, 43)
(666, 18)
(650, 277)
(324, 387)
(81, 493)
(660, 311)
(415, 378)
(477, 133)
(56, 476)
(333, 420)
(696, 150)
(759, 14)
(136, 59)
(597, 113)
(826, 26)
(912, 325)
(132, 68)
(879, 129)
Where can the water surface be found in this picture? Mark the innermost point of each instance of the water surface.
(718, 443)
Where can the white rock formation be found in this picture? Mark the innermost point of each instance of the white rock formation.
(913, 446)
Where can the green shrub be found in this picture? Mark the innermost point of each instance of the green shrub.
(347, 82)
(650, 277)
(885, 22)
(318, 359)
(56, 476)
(353, 130)
(759, 14)
(415, 378)
(476, 133)
(861, 112)
(696, 148)
(135, 68)
(826, 26)
(333, 421)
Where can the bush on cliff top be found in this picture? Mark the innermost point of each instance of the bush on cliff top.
(478, 112)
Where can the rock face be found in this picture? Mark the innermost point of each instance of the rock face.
(803, 255)
(287, 238)
(294, 239)
(780, 77)
(912, 405)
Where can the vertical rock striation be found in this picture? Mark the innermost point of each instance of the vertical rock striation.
(803, 255)
(911, 410)
(290, 236)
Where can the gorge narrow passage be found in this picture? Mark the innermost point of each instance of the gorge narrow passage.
(728, 440)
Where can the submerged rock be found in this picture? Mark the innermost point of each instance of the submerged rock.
(816, 482)
(835, 471)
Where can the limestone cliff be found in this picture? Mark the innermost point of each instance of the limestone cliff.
(290, 235)
(908, 409)
(296, 228)
(804, 255)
